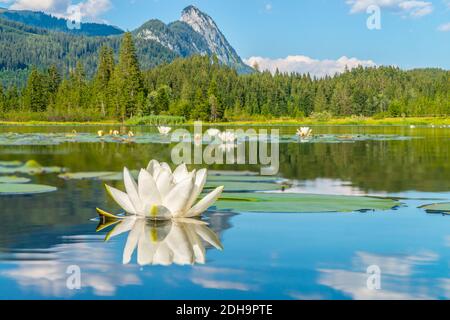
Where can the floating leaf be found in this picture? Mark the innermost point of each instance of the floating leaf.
(236, 183)
(14, 179)
(87, 175)
(10, 163)
(30, 167)
(24, 189)
(102, 175)
(286, 202)
(437, 207)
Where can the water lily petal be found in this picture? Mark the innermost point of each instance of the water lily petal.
(178, 197)
(166, 166)
(200, 181)
(208, 235)
(179, 243)
(163, 255)
(146, 248)
(180, 173)
(205, 203)
(132, 240)
(123, 226)
(148, 191)
(132, 190)
(197, 246)
(164, 182)
(152, 166)
(122, 199)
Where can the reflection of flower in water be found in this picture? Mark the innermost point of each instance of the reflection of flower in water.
(165, 242)
(163, 194)
(46, 271)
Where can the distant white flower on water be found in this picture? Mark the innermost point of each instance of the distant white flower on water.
(198, 139)
(130, 134)
(165, 243)
(161, 194)
(213, 132)
(164, 130)
(304, 132)
(100, 133)
(227, 147)
(227, 137)
(412, 126)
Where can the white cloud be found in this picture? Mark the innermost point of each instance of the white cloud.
(406, 8)
(304, 64)
(268, 7)
(90, 10)
(444, 27)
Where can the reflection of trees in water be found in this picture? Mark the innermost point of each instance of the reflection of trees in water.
(392, 166)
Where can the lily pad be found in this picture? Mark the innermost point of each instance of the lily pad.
(301, 203)
(14, 179)
(30, 167)
(10, 163)
(24, 189)
(437, 208)
(101, 175)
(244, 183)
(87, 175)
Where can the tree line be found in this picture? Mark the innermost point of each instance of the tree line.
(200, 88)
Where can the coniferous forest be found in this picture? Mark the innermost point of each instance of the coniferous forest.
(200, 88)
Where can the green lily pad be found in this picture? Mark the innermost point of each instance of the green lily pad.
(301, 203)
(30, 167)
(101, 175)
(24, 189)
(437, 207)
(14, 179)
(88, 175)
(239, 183)
(10, 163)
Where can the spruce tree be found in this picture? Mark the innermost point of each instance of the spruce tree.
(127, 84)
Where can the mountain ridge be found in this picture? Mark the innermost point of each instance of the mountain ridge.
(30, 38)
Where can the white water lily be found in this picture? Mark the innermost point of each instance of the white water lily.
(164, 130)
(227, 147)
(165, 242)
(213, 132)
(304, 132)
(227, 137)
(163, 194)
(100, 133)
(198, 139)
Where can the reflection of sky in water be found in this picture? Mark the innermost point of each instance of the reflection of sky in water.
(308, 256)
(290, 256)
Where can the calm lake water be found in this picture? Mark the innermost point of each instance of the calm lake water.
(265, 255)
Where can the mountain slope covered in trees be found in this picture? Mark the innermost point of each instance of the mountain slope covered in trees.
(30, 39)
(201, 88)
(45, 21)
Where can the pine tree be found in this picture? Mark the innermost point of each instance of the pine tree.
(35, 94)
(101, 83)
(127, 83)
(2, 99)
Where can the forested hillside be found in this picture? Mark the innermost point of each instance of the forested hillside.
(202, 88)
(46, 21)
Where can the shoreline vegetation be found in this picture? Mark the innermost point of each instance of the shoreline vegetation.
(201, 88)
(344, 121)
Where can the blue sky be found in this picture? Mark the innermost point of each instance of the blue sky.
(412, 34)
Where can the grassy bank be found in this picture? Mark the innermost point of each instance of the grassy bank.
(425, 121)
